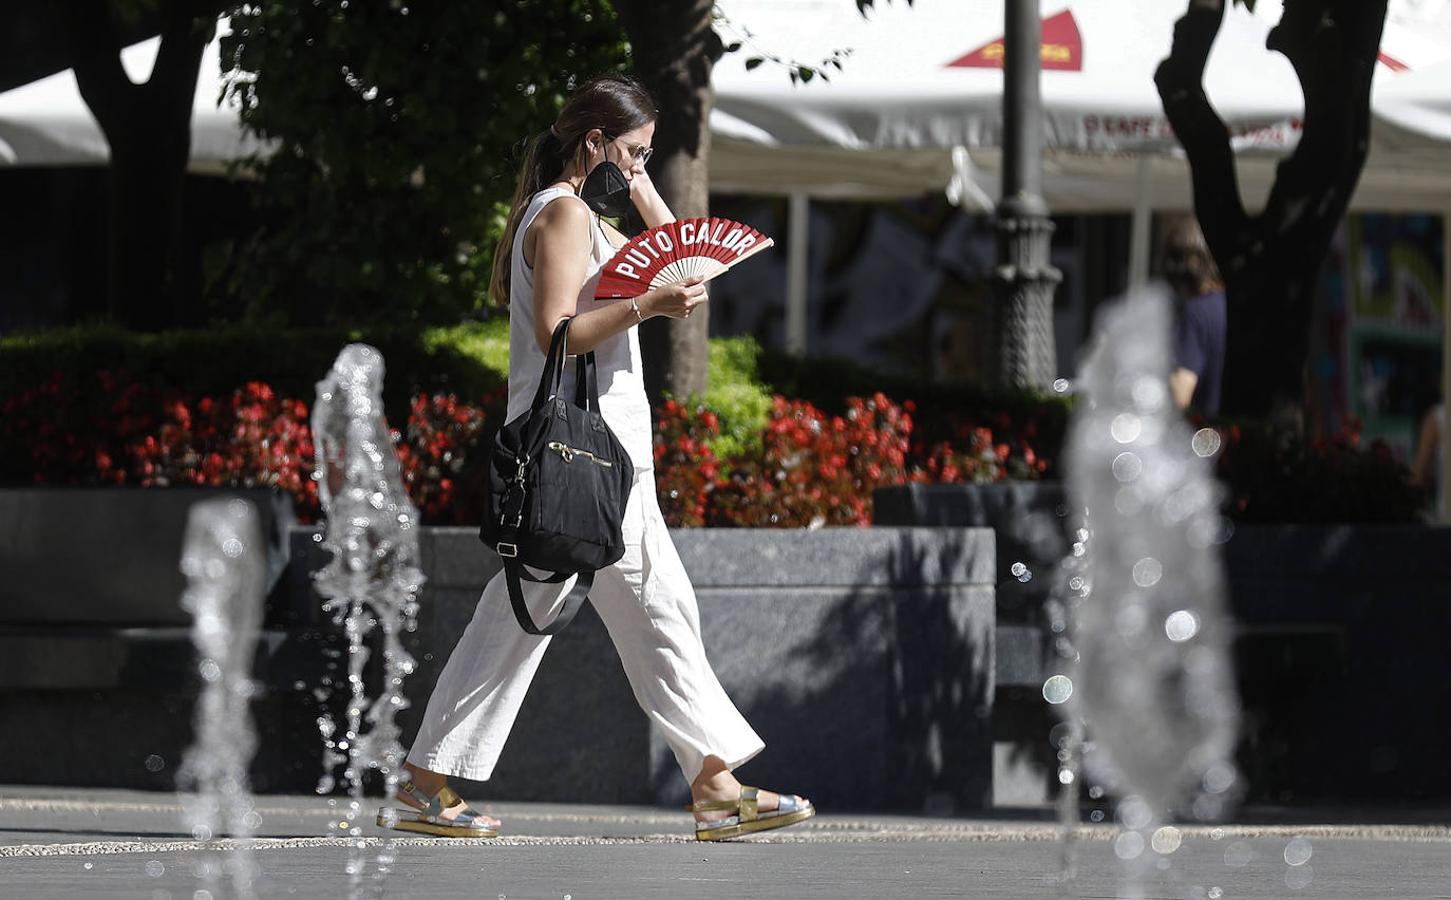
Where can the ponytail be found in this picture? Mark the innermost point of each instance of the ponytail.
(543, 163)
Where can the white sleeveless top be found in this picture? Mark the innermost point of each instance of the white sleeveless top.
(617, 359)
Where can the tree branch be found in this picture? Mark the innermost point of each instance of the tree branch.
(1332, 46)
(1201, 131)
(185, 33)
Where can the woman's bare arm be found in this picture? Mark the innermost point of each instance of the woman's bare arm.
(562, 242)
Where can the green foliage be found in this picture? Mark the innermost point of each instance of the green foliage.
(396, 134)
(737, 397)
(826, 382)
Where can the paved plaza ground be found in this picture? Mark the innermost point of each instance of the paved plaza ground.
(61, 843)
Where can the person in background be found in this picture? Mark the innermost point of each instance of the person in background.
(1200, 318)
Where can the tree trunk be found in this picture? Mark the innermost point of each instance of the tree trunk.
(148, 128)
(1270, 261)
(674, 48)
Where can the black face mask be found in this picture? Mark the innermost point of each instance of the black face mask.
(606, 191)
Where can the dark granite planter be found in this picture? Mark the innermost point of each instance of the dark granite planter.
(96, 656)
(1341, 650)
(1342, 660)
(863, 657)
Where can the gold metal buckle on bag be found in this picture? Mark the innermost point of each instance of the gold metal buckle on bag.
(568, 453)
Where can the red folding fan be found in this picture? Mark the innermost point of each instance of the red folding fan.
(700, 248)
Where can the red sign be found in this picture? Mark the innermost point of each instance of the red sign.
(1062, 48)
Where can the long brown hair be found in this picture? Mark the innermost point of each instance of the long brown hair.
(614, 104)
(1186, 262)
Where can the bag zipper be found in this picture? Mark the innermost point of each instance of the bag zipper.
(568, 453)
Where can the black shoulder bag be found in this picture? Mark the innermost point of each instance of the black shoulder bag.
(558, 483)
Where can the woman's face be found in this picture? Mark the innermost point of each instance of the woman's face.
(630, 151)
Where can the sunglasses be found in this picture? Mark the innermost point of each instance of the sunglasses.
(638, 153)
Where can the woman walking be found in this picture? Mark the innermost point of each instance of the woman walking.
(591, 161)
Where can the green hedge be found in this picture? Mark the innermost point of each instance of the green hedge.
(470, 360)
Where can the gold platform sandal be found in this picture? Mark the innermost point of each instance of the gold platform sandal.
(430, 820)
(748, 819)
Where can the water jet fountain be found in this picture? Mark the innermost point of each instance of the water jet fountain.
(372, 579)
(222, 560)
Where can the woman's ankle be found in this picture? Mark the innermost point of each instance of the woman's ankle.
(425, 780)
(714, 780)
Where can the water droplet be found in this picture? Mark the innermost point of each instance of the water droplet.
(1065, 775)
(89, 865)
(1096, 816)
(155, 868)
(1219, 778)
(154, 763)
(1057, 689)
(1180, 626)
(209, 670)
(1215, 893)
(1062, 735)
(201, 833)
(1166, 840)
(1298, 851)
(1128, 845)
(1205, 443)
(1148, 571)
(1127, 466)
(1135, 813)
(201, 894)
(1126, 428)
(1238, 855)
(1148, 394)
(1060, 385)
(1299, 877)
(1018, 569)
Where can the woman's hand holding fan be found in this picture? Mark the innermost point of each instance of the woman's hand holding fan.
(675, 252)
(675, 300)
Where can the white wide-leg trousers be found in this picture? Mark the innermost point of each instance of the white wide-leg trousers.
(648, 606)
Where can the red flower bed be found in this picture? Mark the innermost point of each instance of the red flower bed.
(685, 467)
(813, 468)
(111, 430)
(441, 457)
(816, 469)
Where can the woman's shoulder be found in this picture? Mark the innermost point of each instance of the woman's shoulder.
(567, 213)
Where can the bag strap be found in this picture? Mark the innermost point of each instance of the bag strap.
(586, 383)
(553, 364)
(513, 571)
